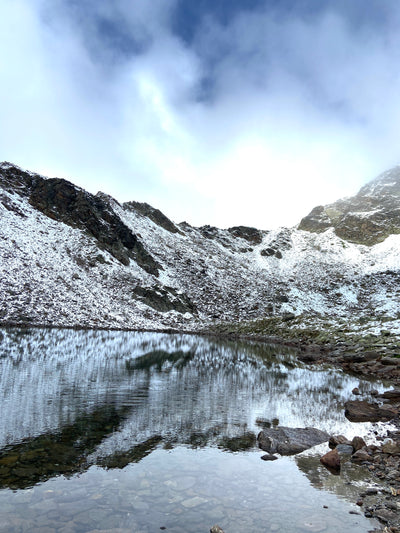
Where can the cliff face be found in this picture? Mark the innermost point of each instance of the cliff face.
(62, 201)
(70, 258)
(366, 218)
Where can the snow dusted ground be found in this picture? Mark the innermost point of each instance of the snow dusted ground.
(56, 274)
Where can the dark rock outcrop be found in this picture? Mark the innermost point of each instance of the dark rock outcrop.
(216, 529)
(209, 232)
(153, 214)
(253, 235)
(15, 180)
(62, 201)
(164, 299)
(289, 441)
(268, 252)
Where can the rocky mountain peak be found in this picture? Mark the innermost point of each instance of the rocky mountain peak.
(366, 218)
(153, 214)
(385, 186)
(62, 201)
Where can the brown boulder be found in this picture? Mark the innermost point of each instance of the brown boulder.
(331, 460)
(391, 448)
(335, 440)
(362, 411)
(360, 456)
(358, 443)
(393, 394)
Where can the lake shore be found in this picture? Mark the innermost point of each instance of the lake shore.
(368, 355)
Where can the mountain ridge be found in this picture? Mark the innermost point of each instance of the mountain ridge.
(70, 258)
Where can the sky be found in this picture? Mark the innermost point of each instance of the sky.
(220, 112)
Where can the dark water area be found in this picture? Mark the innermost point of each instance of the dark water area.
(133, 432)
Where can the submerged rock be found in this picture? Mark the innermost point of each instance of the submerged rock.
(344, 449)
(240, 443)
(289, 441)
(268, 457)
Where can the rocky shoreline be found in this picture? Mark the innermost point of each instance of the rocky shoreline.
(372, 355)
(382, 459)
(381, 499)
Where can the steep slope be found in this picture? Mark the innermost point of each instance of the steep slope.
(64, 202)
(366, 218)
(71, 258)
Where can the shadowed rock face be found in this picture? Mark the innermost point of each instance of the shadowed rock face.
(62, 201)
(153, 214)
(164, 299)
(253, 235)
(366, 218)
(14, 179)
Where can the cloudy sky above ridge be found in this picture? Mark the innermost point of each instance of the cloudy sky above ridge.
(217, 112)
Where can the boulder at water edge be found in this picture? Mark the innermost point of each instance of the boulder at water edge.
(289, 441)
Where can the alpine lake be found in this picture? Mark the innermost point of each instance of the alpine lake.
(108, 431)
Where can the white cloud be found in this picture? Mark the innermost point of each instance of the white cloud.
(300, 111)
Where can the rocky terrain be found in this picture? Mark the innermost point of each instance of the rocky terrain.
(70, 258)
(368, 217)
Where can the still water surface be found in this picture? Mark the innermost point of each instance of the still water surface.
(133, 432)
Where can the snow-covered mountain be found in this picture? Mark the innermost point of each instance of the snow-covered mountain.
(70, 258)
(366, 218)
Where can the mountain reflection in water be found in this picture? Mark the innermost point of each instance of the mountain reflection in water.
(72, 399)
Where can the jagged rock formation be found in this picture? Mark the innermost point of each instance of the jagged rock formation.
(253, 235)
(153, 214)
(366, 218)
(62, 201)
(71, 258)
